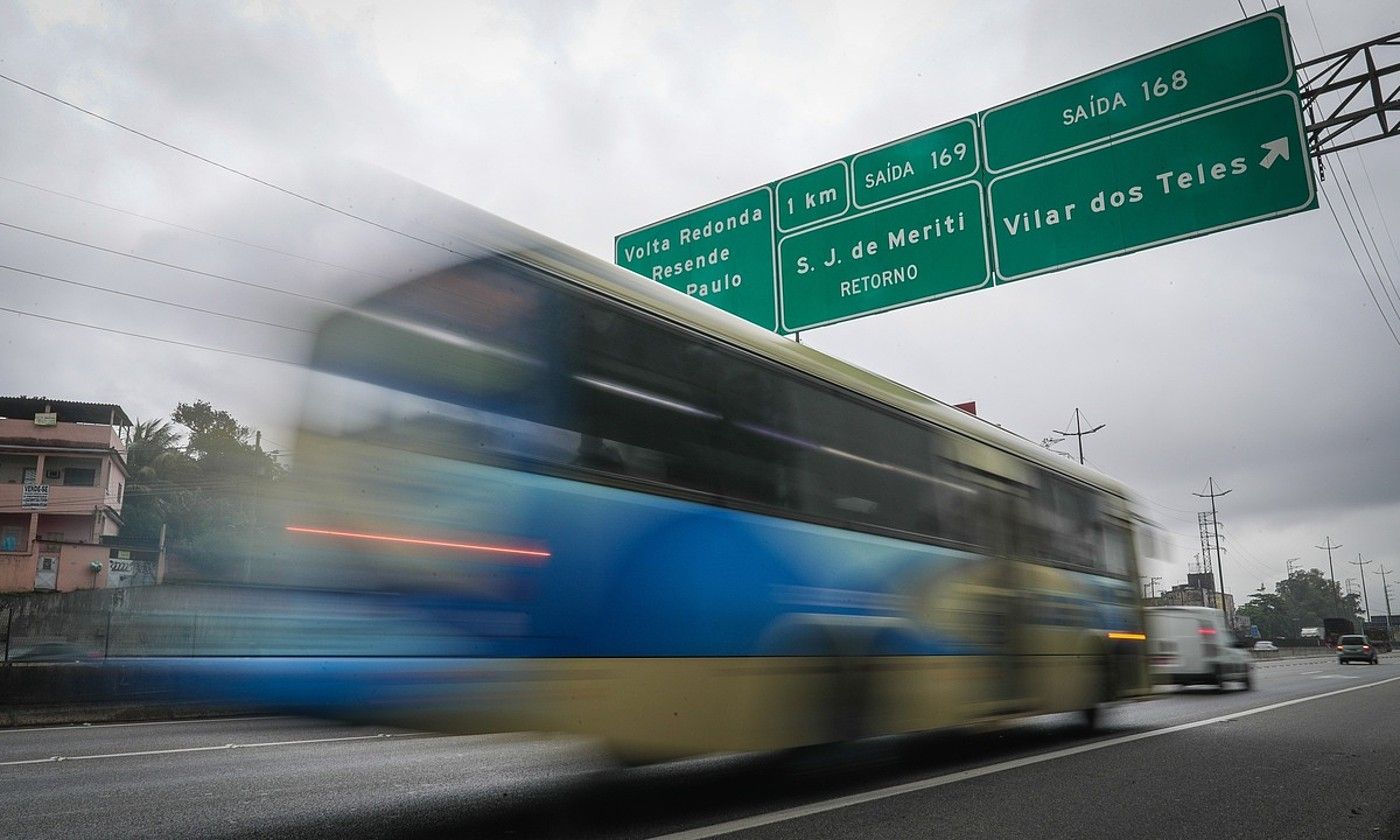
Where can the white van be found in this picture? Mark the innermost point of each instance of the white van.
(1192, 646)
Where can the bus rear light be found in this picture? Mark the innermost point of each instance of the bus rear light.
(1207, 631)
(516, 554)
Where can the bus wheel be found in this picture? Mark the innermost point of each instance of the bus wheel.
(1091, 716)
(849, 700)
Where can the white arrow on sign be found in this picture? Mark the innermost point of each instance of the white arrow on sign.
(1276, 149)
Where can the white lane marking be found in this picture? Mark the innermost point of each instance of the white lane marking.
(963, 775)
(1305, 673)
(382, 735)
(86, 726)
(1335, 677)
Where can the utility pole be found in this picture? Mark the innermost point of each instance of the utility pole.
(1385, 587)
(1366, 598)
(1079, 433)
(1152, 586)
(1215, 523)
(1330, 572)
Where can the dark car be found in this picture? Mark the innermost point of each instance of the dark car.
(1356, 649)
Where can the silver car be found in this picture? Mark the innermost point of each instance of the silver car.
(1356, 649)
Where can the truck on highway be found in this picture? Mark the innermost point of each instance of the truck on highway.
(1379, 636)
(1335, 628)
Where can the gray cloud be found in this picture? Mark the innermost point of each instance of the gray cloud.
(1255, 356)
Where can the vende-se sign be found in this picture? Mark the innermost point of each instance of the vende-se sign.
(34, 497)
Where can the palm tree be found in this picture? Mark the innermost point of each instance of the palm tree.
(154, 463)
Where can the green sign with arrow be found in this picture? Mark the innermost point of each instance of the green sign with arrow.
(1196, 137)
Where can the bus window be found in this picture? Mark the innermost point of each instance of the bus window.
(1064, 523)
(1117, 550)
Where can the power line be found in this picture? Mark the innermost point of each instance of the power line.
(249, 283)
(128, 334)
(160, 301)
(1341, 164)
(1375, 199)
(1359, 270)
(189, 229)
(1360, 237)
(227, 168)
(1255, 564)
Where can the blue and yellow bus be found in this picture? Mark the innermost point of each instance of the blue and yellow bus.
(638, 518)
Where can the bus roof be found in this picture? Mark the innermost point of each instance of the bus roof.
(677, 306)
(465, 231)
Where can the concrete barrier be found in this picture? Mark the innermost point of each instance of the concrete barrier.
(1291, 653)
(57, 693)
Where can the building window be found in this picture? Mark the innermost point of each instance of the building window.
(12, 538)
(79, 477)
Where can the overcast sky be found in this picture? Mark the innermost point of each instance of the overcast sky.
(1255, 356)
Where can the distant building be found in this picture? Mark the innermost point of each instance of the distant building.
(63, 476)
(1198, 591)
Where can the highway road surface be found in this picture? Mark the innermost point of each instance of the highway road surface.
(1313, 752)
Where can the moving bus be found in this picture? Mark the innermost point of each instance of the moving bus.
(639, 518)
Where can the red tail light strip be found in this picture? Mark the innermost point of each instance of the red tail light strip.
(530, 555)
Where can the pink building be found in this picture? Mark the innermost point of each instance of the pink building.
(62, 477)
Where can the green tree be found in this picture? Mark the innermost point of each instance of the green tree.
(210, 486)
(155, 467)
(228, 507)
(1266, 610)
(1301, 600)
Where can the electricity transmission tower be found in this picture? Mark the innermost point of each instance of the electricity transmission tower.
(1385, 587)
(1361, 567)
(1215, 526)
(1330, 571)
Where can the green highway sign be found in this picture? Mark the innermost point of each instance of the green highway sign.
(925, 160)
(814, 204)
(1197, 137)
(1226, 65)
(813, 196)
(911, 251)
(721, 254)
(1225, 168)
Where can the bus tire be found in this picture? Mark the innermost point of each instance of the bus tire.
(849, 701)
(1091, 716)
